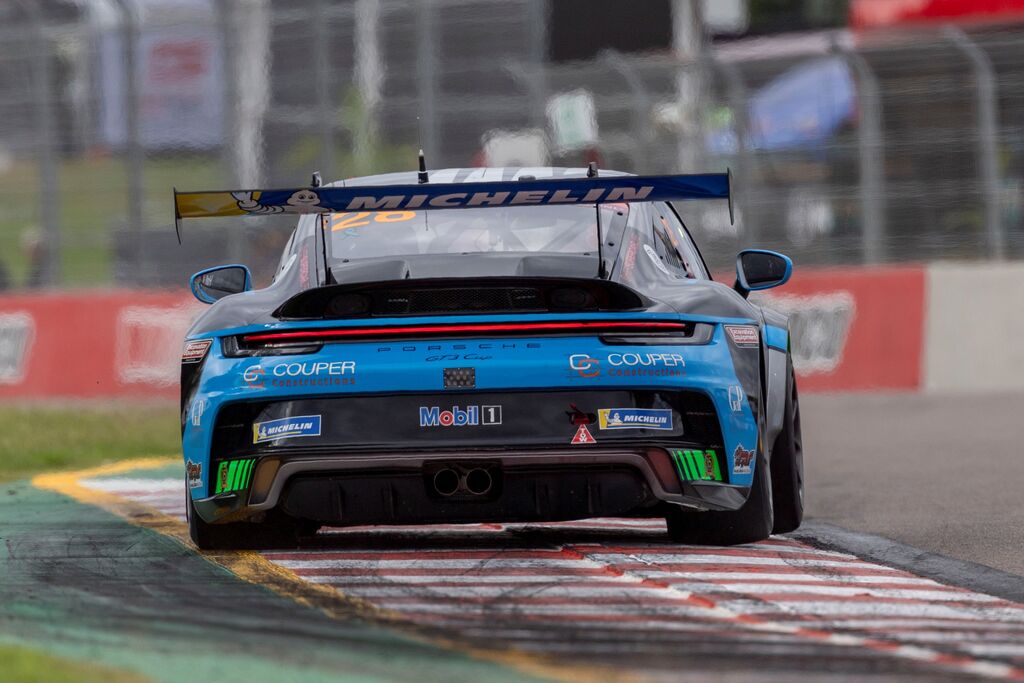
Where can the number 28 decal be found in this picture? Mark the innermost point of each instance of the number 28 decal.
(357, 219)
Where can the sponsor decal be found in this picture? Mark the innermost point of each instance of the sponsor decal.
(195, 350)
(471, 416)
(584, 365)
(657, 261)
(741, 459)
(313, 373)
(634, 418)
(628, 365)
(17, 332)
(286, 428)
(234, 475)
(736, 398)
(253, 377)
(697, 465)
(583, 436)
(198, 408)
(194, 473)
(302, 374)
(743, 335)
(305, 200)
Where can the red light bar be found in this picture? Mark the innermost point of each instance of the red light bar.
(575, 326)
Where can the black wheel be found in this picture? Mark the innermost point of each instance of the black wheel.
(788, 465)
(276, 531)
(752, 522)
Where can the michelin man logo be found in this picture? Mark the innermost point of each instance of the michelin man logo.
(300, 201)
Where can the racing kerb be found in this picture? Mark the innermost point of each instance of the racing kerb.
(614, 592)
(939, 327)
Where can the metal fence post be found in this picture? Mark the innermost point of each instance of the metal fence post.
(426, 81)
(988, 135)
(134, 158)
(640, 110)
(871, 153)
(536, 54)
(736, 93)
(325, 107)
(49, 190)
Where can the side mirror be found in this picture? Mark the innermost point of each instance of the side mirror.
(213, 284)
(761, 269)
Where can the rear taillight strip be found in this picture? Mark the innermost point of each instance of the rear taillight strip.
(476, 328)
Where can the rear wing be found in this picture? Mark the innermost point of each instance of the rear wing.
(432, 196)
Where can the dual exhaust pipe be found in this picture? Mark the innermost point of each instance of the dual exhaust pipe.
(475, 481)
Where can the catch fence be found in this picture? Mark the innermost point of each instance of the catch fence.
(845, 149)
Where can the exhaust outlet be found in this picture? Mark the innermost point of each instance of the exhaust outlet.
(447, 482)
(478, 481)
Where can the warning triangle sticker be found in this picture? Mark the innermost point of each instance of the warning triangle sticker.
(583, 436)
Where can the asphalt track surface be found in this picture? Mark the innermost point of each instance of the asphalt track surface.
(941, 473)
(96, 565)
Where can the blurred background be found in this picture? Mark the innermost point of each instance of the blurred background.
(877, 142)
(858, 132)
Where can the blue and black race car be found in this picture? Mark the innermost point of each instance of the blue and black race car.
(487, 345)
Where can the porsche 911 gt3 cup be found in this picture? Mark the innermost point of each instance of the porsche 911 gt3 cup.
(487, 345)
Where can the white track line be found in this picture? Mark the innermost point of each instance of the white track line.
(631, 595)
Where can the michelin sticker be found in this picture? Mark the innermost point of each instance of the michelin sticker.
(634, 418)
(286, 428)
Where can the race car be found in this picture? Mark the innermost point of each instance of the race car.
(506, 345)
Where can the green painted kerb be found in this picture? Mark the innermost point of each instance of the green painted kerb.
(697, 465)
(234, 475)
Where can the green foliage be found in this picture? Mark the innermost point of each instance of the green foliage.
(42, 438)
(20, 665)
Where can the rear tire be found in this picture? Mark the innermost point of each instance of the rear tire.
(276, 531)
(751, 523)
(788, 465)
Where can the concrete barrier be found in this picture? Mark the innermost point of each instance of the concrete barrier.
(938, 328)
(974, 327)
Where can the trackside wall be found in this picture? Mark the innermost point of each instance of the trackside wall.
(975, 327)
(938, 328)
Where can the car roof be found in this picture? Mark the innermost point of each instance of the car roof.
(472, 175)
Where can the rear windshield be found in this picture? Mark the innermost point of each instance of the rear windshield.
(539, 229)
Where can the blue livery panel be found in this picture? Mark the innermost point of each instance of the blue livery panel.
(536, 363)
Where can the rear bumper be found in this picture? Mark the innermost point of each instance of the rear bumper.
(530, 485)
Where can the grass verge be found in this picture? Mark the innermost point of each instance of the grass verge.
(28, 666)
(43, 438)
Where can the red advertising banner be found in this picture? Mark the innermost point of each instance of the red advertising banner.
(92, 344)
(855, 329)
(866, 14)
